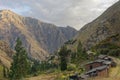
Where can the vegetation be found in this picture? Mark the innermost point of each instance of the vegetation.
(41, 67)
(63, 63)
(63, 53)
(108, 46)
(71, 67)
(70, 41)
(21, 65)
(5, 72)
(80, 55)
(69, 62)
(2, 77)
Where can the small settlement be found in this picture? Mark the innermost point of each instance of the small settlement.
(98, 68)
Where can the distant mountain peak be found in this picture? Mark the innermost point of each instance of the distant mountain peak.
(9, 15)
(7, 12)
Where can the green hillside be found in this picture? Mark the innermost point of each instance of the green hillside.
(109, 46)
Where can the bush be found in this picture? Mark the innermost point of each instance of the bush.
(115, 52)
(104, 51)
(71, 67)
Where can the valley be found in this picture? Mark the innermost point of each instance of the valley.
(31, 49)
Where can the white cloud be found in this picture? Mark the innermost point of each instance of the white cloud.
(75, 13)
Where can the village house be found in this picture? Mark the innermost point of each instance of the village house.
(99, 67)
(93, 64)
(108, 60)
(102, 71)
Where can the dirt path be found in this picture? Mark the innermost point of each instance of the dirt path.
(43, 77)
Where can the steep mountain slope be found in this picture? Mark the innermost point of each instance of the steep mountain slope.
(6, 54)
(12, 26)
(38, 37)
(49, 36)
(104, 26)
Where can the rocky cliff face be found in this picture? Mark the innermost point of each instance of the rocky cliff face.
(104, 26)
(49, 36)
(38, 37)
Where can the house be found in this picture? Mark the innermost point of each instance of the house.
(108, 63)
(102, 71)
(108, 60)
(99, 67)
(94, 64)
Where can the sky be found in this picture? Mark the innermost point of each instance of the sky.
(75, 13)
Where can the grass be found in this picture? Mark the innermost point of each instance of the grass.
(1, 73)
(57, 75)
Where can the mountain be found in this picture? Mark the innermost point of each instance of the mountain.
(6, 54)
(38, 37)
(104, 26)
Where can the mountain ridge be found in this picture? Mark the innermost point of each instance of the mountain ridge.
(106, 25)
(38, 37)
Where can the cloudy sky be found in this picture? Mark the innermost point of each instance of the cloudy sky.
(74, 13)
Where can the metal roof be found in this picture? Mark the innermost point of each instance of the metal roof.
(107, 62)
(102, 56)
(96, 61)
(99, 60)
(97, 69)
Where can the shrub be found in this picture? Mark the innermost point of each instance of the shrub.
(71, 67)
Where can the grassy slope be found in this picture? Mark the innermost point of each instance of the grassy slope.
(1, 73)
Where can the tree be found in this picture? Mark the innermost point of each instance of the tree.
(4, 72)
(63, 58)
(20, 66)
(81, 53)
(79, 49)
(35, 67)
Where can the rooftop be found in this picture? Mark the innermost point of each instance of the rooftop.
(107, 62)
(97, 69)
(96, 61)
(102, 56)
